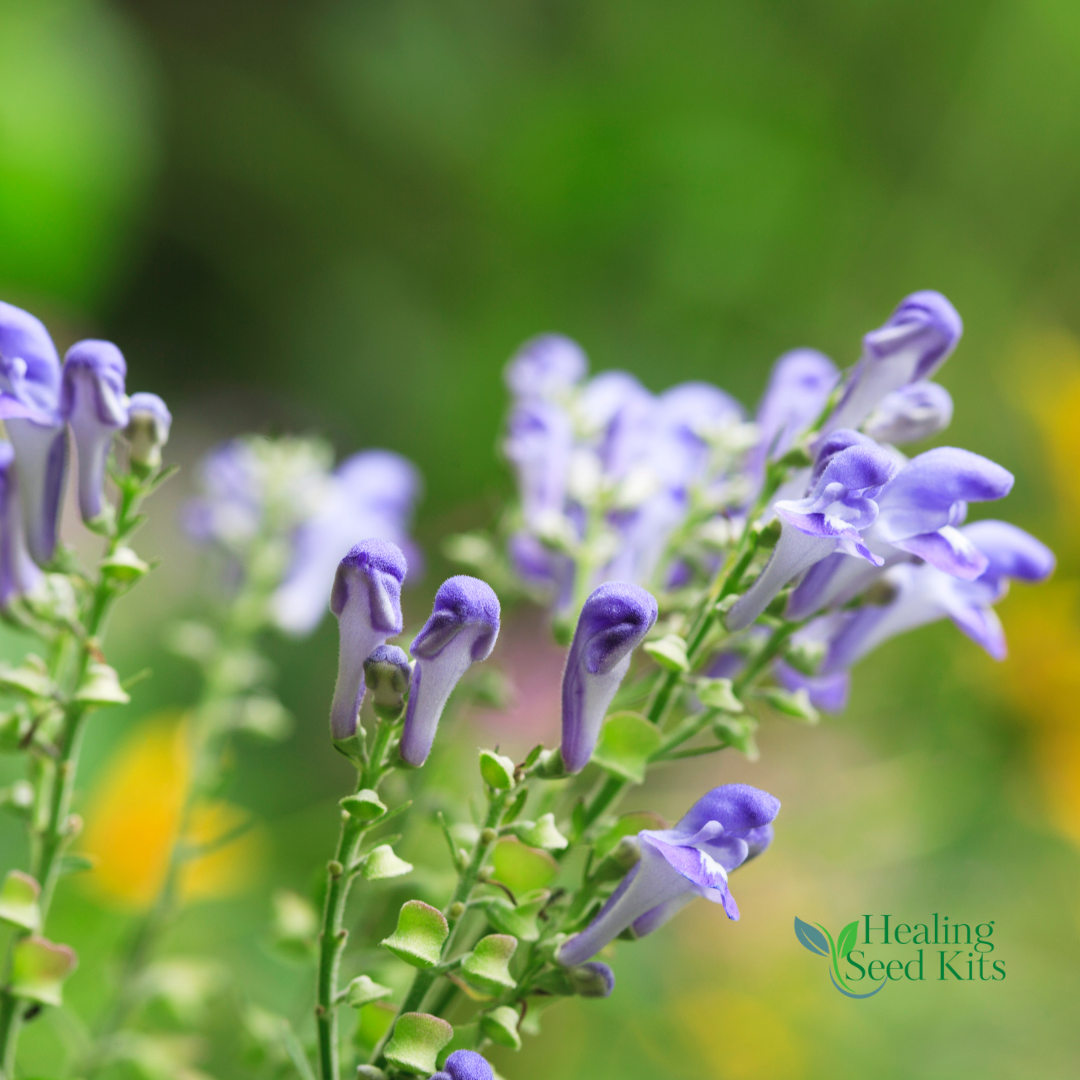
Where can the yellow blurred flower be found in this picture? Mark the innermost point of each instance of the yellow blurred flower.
(739, 1037)
(133, 819)
(1042, 675)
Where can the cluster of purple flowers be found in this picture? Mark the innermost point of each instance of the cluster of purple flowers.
(617, 484)
(277, 508)
(40, 399)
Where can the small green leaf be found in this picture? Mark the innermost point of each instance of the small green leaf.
(669, 652)
(39, 968)
(420, 934)
(520, 868)
(497, 770)
(101, 686)
(365, 805)
(542, 834)
(488, 965)
(19, 897)
(520, 921)
(847, 939)
(501, 1027)
(737, 731)
(796, 705)
(76, 864)
(718, 694)
(627, 742)
(363, 990)
(124, 565)
(27, 679)
(383, 863)
(416, 1042)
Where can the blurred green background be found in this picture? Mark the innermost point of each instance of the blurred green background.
(342, 217)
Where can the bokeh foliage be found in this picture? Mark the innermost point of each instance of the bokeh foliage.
(343, 216)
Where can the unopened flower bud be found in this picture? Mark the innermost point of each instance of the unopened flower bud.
(592, 980)
(387, 674)
(147, 431)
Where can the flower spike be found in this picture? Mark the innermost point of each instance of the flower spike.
(93, 402)
(613, 622)
(915, 341)
(719, 833)
(366, 599)
(461, 631)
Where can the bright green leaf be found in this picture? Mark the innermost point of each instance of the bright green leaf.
(627, 741)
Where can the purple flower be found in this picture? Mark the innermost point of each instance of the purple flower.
(688, 416)
(911, 413)
(833, 518)
(464, 1065)
(915, 341)
(619, 415)
(613, 622)
(93, 402)
(370, 494)
(799, 386)
(366, 598)
(829, 693)
(30, 409)
(592, 979)
(462, 630)
(924, 594)
(149, 423)
(18, 574)
(719, 833)
(539, 443)
(540, 566)
(917, 513)
(546, 367)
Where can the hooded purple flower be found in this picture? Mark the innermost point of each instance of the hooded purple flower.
(799, 386)
(545, 367)
(838, 510)
(539, 444)
(911, 413)
(149, 424)
(93, 402)
(465, 1065)
(18, 574)
(719, 833)
(461, 631)
(915, 341)
(366, 598)
(370, 494)
(613, 622)
(829, 693)
(923, 594)
(917, 513)
(30, 409)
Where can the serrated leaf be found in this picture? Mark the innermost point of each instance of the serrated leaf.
(846, 941)
(811, 937)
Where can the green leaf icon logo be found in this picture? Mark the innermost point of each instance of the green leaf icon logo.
(811, 938)
(846, 941)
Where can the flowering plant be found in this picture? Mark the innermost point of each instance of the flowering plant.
(703, 569)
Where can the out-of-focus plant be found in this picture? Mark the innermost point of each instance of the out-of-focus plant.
(272, 514)
(45, 591)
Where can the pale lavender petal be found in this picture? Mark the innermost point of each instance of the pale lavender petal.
(613, 622)
(621, 414)
(915, 341)
(949, 550)
(798, 389)
(366, 598)
(546, 367)
(911, 413)
(1010, 552)
(460, 632)
(740, 808)
(93, 402)
(18, 574)
(41, 459)
(539, 443)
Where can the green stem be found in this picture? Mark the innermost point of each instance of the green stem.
(423, 980)
(332, 933)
